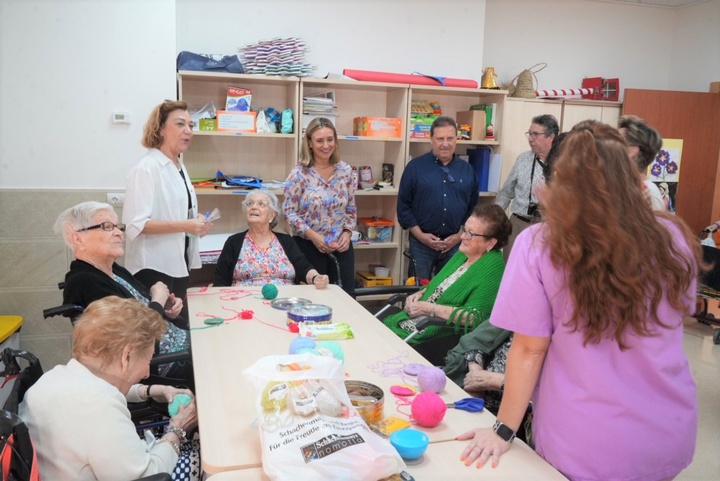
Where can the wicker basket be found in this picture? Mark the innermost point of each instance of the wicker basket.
(525, 87)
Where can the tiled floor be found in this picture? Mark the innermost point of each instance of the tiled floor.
(704, 359)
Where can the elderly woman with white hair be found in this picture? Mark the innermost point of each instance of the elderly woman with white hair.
(92, 232)
(259, 256)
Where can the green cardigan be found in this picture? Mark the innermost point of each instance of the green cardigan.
(473, 294)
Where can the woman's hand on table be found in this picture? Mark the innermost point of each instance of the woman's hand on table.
(321, 281)
(173, 306)
(484, 445)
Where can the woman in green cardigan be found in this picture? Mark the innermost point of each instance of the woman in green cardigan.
(463, 292)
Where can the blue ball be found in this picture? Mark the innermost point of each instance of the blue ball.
(301, 342)
(178, 400)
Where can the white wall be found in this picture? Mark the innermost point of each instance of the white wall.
(581, 39)
(64, 67)
(433, 37)
(696, 50)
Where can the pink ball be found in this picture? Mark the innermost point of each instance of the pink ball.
(431, 379)
(428, 409)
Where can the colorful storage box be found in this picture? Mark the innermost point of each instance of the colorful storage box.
(376, 229)
(377, 126)
(368, 279)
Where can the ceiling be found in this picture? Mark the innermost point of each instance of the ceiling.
(658, 3)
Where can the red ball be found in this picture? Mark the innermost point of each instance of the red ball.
(428, 409)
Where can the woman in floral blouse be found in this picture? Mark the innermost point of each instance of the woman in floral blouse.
(320, 204)
(259, 256)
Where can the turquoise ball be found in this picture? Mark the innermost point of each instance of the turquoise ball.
(178, 400)
(269, 291)
(332, 349)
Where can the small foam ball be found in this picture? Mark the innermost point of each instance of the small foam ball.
(301, 342)
(331, 349)
(431, 379)
(269, 291)
(428, 409)
(294, 327)
(178, 400)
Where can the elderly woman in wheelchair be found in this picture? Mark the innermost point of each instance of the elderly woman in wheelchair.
(92, 232)
(77, 414)
(463, 292)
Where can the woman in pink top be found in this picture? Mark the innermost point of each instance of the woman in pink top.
(604, 283)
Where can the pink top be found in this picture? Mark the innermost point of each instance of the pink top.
(257, 266)
(600, 413)
(327, 207)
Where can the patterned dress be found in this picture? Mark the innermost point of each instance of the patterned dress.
(257, 266)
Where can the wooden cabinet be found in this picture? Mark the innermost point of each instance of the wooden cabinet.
(575, 111)
(271, 156)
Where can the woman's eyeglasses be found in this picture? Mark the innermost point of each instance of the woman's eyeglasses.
(106, 226)
(466, 232)
(253, 203)
(535, 135)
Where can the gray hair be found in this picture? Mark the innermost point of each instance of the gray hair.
(274, 204)
(78, 217)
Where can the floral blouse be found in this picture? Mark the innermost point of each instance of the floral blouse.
(257, 266)
(327, 207)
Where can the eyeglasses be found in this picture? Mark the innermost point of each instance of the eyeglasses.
(450, 178)
(106, 226)
(253, 203)
(535, 135)
(466, 232)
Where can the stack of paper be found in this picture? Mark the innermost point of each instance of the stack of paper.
(319, 105)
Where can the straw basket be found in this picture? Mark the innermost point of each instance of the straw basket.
(525, 88)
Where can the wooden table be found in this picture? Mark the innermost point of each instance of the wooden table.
(226, 400)
(441, 462)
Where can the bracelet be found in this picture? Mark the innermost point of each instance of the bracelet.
(312, 280)
(432, 311)
(147, 392)
(349, 231)
(174, 445)
(179, 432)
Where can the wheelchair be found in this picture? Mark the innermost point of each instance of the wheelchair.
(18, 461)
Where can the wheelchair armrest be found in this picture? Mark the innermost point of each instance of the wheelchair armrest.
(169, 357)
(66, 310)
(430, 321)
(156, 477)
(383, 290)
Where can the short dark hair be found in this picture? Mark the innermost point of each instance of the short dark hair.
(442, 121)
(499, 226)
(549, 122)
(639, 134)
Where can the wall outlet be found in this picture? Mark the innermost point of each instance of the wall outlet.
(116, 199)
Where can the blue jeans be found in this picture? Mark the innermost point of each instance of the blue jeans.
(428, 261)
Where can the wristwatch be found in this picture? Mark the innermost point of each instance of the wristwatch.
(504, 431)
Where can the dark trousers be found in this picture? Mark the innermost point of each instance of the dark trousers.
(325, 265)
(176, 285)
(429, 261)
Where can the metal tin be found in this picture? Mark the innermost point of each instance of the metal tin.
(315, 313)
(368, 399)
(285, 303)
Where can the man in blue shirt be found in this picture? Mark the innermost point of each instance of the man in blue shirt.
(438, 192)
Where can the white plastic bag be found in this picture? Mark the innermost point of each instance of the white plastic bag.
(309, 430)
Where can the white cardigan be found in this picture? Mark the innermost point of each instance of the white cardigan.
(155, 190)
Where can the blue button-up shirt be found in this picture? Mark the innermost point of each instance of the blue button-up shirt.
(437, 198)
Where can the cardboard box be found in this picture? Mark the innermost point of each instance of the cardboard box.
(419, 131)
(376, 229)
(368, 279)
(377, 126)
(476, 120)
(235, 121)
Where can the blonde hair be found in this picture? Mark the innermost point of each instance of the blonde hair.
(111, 323)
(159, 115)
(306, 154)
(621, 260)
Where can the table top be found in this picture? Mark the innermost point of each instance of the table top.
(226, 400)
(442, 461)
